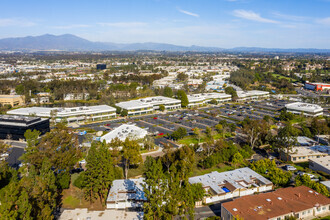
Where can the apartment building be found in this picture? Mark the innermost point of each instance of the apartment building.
(231, 184)
(300, 202)
(302, 154)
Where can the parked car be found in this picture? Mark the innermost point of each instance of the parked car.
(290, 168)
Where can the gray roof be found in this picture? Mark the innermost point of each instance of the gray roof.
(127, 189)
(239, 178)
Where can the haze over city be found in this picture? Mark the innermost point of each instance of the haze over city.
(216, 23)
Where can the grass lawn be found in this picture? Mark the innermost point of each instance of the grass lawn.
(324, 218)
(74, 198)
(146, 151)
(134, 172)
(283, 77)
(220, 168)
(191, 139)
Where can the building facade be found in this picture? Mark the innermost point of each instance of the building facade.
(317, 86)
(302, 154)
(76, 114)
(197, 100)
(14, 127)
(253, 95)
(12, 100)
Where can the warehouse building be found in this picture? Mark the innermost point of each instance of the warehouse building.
(300, 202)
(311, 110)
(231, 184)
(317, 86)
(76, 114)
(14, 127)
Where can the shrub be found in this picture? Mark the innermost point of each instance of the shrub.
(63, 180)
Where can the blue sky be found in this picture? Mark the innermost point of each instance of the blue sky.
(220, 23)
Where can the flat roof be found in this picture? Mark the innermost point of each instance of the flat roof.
(239, 178)
(305, 151)
(243, 94)
(148, 102)
(306, 107)
(206, 96)
(64, 112)
(125, 131)
(274, 204)
(126, 189)
(323, 161)
(18, 120)
(9, 96)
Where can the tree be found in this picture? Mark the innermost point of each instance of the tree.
(319, 127)
(252, 130)
(237, 159)
(198, 133)
(148, 142)
(208, 132)
(231, 91)
(99, 172)
(59, 145)
(31, 137)
(162, 108)
(168, 92)
(124, 113)
(182, 77)
(131, 154)
(179, 133)
(287, 138)
(183, 97)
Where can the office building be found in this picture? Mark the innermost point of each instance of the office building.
(253, 95)
(197, 100)
(14, 127)
(317, 86)
(311, 110)
(300, 202)
(124, 131)
(12, 100)
(76, 114)
(320, 164)
(148, 105)
(231, 184)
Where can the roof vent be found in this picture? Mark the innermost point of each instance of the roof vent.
(279, 198)
(268, 200)
(235, 209)
(310, 191)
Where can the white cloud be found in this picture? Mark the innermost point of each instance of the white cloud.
(250, 15)
(124, 24)
(188, 13)
(72, 26)
(18, 22)
(289, 17)
(324, 21)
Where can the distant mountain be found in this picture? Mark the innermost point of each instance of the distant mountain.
(69, 42)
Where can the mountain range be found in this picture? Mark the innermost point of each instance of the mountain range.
(69, 42)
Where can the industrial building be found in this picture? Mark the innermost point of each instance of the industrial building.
(76, 114)
(126, 193)
(231, 184)
(14, 127)
(317, 86)
(311, 110)
(300, 202)
(148, 105)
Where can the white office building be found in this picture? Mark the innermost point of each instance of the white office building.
(126, 193)
(197, 100)
(231, 184)
(311, 110)
(149, 104)
(244, 96)
(125, 131)
(76, 114)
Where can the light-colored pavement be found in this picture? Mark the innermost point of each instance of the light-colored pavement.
(84, 214)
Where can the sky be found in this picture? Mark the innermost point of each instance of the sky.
(216, 23)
